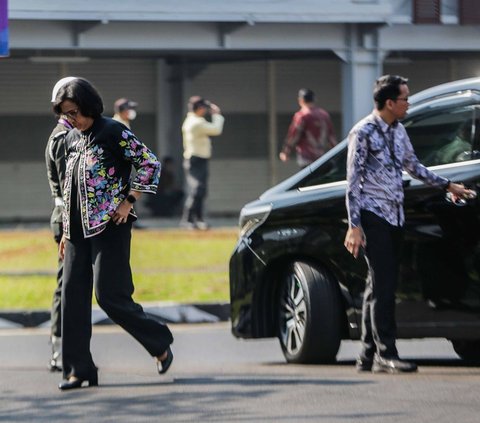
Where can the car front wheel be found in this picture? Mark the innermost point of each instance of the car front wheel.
(310, 315)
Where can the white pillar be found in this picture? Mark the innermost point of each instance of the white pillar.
(362, 65)
(162, 109)
(272, 121)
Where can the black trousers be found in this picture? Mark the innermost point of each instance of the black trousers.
(56, 311)
(382, 254)
(102, 262)
(196, 171)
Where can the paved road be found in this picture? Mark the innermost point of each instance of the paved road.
(216, 378)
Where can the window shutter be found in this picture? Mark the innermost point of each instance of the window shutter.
(426, 11)
(469, 12)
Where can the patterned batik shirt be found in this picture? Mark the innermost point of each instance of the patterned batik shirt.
(377, 155)
(311, 134)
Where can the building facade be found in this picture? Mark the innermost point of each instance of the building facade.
(249, 57)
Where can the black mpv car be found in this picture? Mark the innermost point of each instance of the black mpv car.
(292, 278)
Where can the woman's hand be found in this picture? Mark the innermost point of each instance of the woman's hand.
(61, 248)
(121, 214)
(354, 240)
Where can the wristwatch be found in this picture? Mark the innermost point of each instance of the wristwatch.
(131, 199)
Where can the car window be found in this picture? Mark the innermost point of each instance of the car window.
(442, 136)
(438, 137)
(333, 170)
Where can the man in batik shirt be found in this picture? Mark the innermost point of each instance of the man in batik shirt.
(310, 133)
(379, 150)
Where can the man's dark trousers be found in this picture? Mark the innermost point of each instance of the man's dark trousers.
(56, 311)
(196, 170)
(382, 252)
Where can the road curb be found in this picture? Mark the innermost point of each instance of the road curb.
(164, 312)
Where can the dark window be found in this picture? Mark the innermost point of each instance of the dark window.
(438, 137)
(332, 170)
(443, 136)
(426, 11)
(469, 12)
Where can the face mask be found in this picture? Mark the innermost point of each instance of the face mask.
(132, 114)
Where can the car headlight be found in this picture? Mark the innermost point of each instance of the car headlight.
(252, 217)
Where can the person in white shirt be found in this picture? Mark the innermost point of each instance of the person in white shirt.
(197, 147)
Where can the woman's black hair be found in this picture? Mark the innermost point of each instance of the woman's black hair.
(83, 94)
(386, 88)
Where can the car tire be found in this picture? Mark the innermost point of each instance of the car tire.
(310, 315)
(468, 350)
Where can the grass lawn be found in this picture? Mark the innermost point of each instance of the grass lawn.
(168, 265)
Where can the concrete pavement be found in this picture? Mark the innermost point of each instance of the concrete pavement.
(217, 378)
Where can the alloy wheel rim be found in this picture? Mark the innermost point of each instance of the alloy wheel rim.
(293, 314)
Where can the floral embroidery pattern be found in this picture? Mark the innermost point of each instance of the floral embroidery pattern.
(134, 150)
(100, 187)
(106, 157)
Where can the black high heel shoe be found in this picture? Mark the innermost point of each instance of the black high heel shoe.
(77, 383)
(163, 365)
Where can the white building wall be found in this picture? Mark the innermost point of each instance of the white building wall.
(26, 87)
(138, 33)
(242, 86)
(236, 87)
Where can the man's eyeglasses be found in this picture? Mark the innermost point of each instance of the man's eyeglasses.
(71, 114)
(403, 99)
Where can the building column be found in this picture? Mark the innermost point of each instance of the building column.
(272, 121)
(362, 65)
(169, 112)
(162, 108)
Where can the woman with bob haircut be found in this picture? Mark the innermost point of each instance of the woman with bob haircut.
(99, 195)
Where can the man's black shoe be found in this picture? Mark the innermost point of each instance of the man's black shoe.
(392, 365)
(363, 365)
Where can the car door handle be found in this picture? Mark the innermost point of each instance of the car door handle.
(461, 201)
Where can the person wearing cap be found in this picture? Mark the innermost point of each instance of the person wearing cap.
(197, 147)
(310, 133)
(55, 161)
(125, 111)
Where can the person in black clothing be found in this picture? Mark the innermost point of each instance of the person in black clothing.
(55, 161)
(169, 196)
(99, 194)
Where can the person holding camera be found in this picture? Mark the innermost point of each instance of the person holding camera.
(197, 145)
